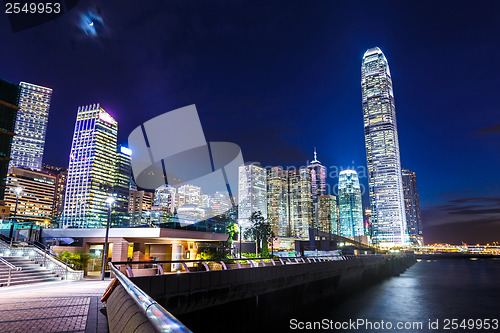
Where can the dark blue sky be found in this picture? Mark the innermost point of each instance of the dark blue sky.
(280, 77)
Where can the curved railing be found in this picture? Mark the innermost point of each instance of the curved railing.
(227, 264)
(160, 318)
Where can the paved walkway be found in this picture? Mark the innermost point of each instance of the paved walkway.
(62, 306)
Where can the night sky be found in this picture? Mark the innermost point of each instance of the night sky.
(281, 77)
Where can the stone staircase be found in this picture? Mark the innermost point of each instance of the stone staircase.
(30, 273)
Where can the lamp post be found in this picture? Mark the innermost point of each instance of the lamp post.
(18, 191)
(109, 201)
(241, 232)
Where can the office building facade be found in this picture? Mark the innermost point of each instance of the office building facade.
(412, 207)
(34, 195)
(300, 202)
(61, 175)
(9, 98)
(328, 219)
(31, 126)
(252, 193)
(382, 151)
(318, 185)
(91, 173)
(123, 170)
(350, 205)
(277, 201)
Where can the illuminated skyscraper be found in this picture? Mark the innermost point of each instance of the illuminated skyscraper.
(300, 202)
(277, 201)
(36, 198)
(382, 151)
(91, 173)
(252, 192)
(31, 126)
(9, 95)
(318, 184)
(350, 206)
(61, 175)
(328, 220)
(412, 207)
(122, 179)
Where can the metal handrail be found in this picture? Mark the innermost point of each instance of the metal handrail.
(160, 318)
(11, 267)
(252, 261)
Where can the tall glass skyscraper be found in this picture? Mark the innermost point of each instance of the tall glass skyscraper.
(412, 207)
(92, 167)
(350, 206)
(328, 220)
(31, 126)
(382, 151)
(277, 201)
(123, 170)
(252, 192)
(318, 185)
(300, 202)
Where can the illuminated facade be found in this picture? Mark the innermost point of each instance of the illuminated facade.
(350, 206)
(382, 151)
(31, 126)
(328, 218)
(164, 198)
(9, 95)
(277, 201)
(91, 173)
(412, 207)
(318, 185)
(252, 193)
(139, 201)
(122, 179)
(300, 202)
(61, 175)
(36, 198)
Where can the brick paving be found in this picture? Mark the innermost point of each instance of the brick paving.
(65, 306)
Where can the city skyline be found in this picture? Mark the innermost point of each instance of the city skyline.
(453, 209)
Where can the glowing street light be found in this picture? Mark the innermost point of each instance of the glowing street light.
(109, 201)
(18, 191)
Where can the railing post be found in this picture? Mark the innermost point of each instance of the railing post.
(10, 272)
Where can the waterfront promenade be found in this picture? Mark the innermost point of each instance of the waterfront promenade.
(61, 306)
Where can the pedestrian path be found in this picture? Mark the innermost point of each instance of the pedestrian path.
(62, 306)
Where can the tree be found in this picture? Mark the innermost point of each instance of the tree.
(259, 230)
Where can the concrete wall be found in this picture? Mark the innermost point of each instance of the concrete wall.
(292, 286)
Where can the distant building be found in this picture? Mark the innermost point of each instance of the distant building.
(277, 201)
(350, 205)
(368, 221)
(164, 197)
(139, 202)
(123, 170)
(36, 195)
(300, 201)
(61, 175)
(318, 184)
(412, 207)
(328, 219)
(382, 151)
(91, 173)
(219, 204)
(31, 126)
(9, 95)
(190, 195)
(252, 192)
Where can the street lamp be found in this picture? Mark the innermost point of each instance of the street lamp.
(109, 201)
(241, 233)
(18, 191)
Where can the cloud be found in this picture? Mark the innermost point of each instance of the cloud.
(480, 230)
(489, 129)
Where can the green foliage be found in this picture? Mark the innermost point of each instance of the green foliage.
(259, 231)
(231, 230)
(78, 260)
